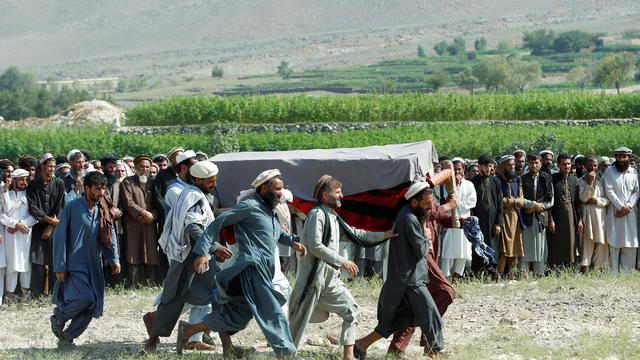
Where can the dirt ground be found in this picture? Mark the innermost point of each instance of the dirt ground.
(563, 316)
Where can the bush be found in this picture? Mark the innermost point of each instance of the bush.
(382, 108)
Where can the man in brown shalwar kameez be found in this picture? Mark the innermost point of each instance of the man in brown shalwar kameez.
(511, 241)
(141, 250)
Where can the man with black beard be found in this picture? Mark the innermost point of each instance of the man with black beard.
(621, 188)
(319, 290)
(245, 290)
(566, 215)
(547, 161)
(579, 162)
(490, 213)
(511, 246)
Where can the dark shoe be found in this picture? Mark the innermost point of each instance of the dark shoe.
(180, 342)
(148, 321)
(207, 339)
(237, 352)
(359, 354)
(56, 326)
(151, 346)
(198, 345)
(65, 342)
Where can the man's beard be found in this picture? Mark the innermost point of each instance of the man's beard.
(510, 175)
(142, 178)
(271, 198)
(579, 172)
(111, 178)
(546, 167)
(623, 166)
(419, 212)
(333, 202)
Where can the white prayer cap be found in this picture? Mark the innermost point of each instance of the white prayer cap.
(622, 150)
(129, 158)
(416, 188)
(545, 152)
(185, 155)
(204, 170)
(519, 151)
(265, 176)
(603, 159)
(70, 153)
(458, 159)
(206, 157)
(287, 195)
(18, 173)
(62, 166)
(44, 158)
(506, 158)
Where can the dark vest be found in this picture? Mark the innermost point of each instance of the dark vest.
(542, 193)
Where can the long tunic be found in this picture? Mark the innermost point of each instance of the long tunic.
(43, 200)
(489, 210)
(511, 234)
(407, 281)
(621, 189)
(454, 244)
(565, 213)
(535, 235)
(257, 230)
(327, 293)
(17, 244)
(142, 239)
(593, 215)
(78, 253)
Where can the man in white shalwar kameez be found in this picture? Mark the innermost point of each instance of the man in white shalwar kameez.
(593, 243)
(318, 290)
(17, 224)
(456, 249)
(621, 188)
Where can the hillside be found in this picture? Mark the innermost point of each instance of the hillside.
(75, 39)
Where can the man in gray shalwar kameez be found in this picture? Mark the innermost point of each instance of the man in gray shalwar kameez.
(319, 290)
(404, 298)
(538, 198)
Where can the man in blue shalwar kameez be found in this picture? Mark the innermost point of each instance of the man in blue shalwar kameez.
(77, 251)
(245, 290)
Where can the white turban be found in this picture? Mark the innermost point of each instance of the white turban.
(416, 188)
(204, 170)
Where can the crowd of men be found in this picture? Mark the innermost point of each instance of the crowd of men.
(71, 226)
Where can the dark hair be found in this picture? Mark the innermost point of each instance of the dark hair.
(329, 185)
(95, 178)
(418, 196)
(534, 156)
(188, 162)
(564, 156)
(443, 158)
(160, 158)
(87, 155)
(61, 159)
(27, 162)
(6, 165)
(484, 160)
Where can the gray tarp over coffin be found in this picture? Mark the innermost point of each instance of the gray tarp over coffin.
(359, 169)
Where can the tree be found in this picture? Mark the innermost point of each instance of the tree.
(457, 47)
(217, 72)
(440, 48)
(438, 79)
(421, 51)
(572, 41)
(615, 70)
(480, 44)
(492, 72)
(539, 41)
(579, 75)
(467, 80)
(284, 70)
(631, 34)
(12, 79)
(522, 74)
(504, 45)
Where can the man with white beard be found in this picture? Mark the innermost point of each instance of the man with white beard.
(17, 237)
(141, 250)
(73, 181)
(621, 188)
